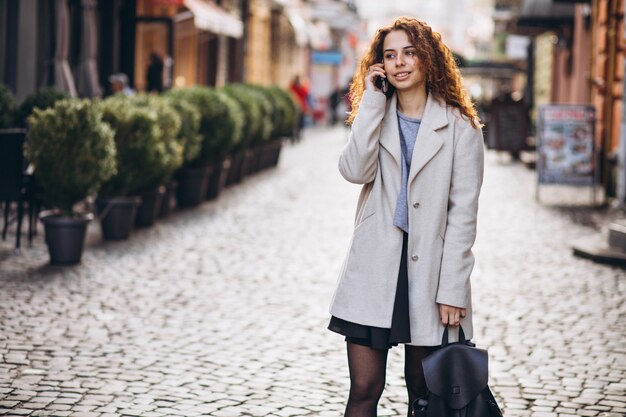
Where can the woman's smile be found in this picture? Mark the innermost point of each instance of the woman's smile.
(401, 76)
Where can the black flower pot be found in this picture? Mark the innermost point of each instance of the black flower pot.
(192, 185)
(265, 156)
(218, 177)
(65, 237)
(168, 198)
(234, 173)
(247, 165)
(117, 216)
(252, 161)
(148, 210)
(277, 145)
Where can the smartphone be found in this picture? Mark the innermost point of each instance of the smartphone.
(381, 83)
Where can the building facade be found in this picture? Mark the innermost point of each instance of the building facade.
(576, 56)
(76, 45)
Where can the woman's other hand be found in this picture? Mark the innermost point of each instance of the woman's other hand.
(450, 315)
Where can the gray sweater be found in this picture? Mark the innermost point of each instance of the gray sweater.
(408, 133)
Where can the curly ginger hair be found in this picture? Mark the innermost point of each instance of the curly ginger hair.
(443, 78)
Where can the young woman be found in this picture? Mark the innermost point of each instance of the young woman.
(417, 148)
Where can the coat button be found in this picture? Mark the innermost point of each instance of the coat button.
(416, 205)
(415, 257)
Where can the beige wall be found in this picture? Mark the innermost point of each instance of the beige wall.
(258, 58)
(273, 56)
(544, 55)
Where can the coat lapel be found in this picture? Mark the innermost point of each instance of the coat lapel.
(390, 133)
(428, 141)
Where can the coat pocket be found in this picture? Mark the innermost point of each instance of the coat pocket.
(366, 218)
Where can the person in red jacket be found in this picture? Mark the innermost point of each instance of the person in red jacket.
(301, 92)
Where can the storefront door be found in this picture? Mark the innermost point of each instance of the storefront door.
(154, 35)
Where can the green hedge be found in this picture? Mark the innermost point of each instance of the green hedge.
(40, 99)
(151, 136)
(189, 134)
(148, 152)
(7, 108)
(252, 131)
(72, 150)
(288, 109)
(169, 122)
(221, 121)
(281, 110)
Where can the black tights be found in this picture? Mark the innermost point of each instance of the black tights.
(367, 377)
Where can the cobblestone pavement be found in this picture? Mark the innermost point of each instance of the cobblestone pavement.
(221, 310)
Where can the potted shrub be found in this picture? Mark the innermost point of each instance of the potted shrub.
(189, 138)
(40, 99)
(7, 108)
(286, 119)
(273, 118)
(147, 154)
(252, 134)
(274, 113)
(288, 111)
(169, 122)
(221, 124)
(73, 153)
(8, 112)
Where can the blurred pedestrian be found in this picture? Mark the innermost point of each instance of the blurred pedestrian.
(333, 104)
(118, 84)
(417, 148)
(154, 74)
(301, 92)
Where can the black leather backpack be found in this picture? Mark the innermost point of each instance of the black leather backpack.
(456, 376)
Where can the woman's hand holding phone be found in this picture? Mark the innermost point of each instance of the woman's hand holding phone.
(371, 78)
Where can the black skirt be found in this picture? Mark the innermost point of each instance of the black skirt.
(378, 337)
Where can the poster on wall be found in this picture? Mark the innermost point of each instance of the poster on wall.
(565, 145)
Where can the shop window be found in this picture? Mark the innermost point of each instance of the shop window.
(153, 37)
(185, 51)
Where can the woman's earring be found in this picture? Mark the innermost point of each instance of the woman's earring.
(384, 86)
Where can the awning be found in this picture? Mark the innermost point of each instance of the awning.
(87, 71)
(319, 35)
(299, 27)
(316, 34)
(211, 17)
(62, 78)
(545, 14)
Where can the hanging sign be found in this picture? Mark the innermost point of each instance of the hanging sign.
(565, 145)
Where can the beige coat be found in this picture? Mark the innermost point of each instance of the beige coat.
(443, 187)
